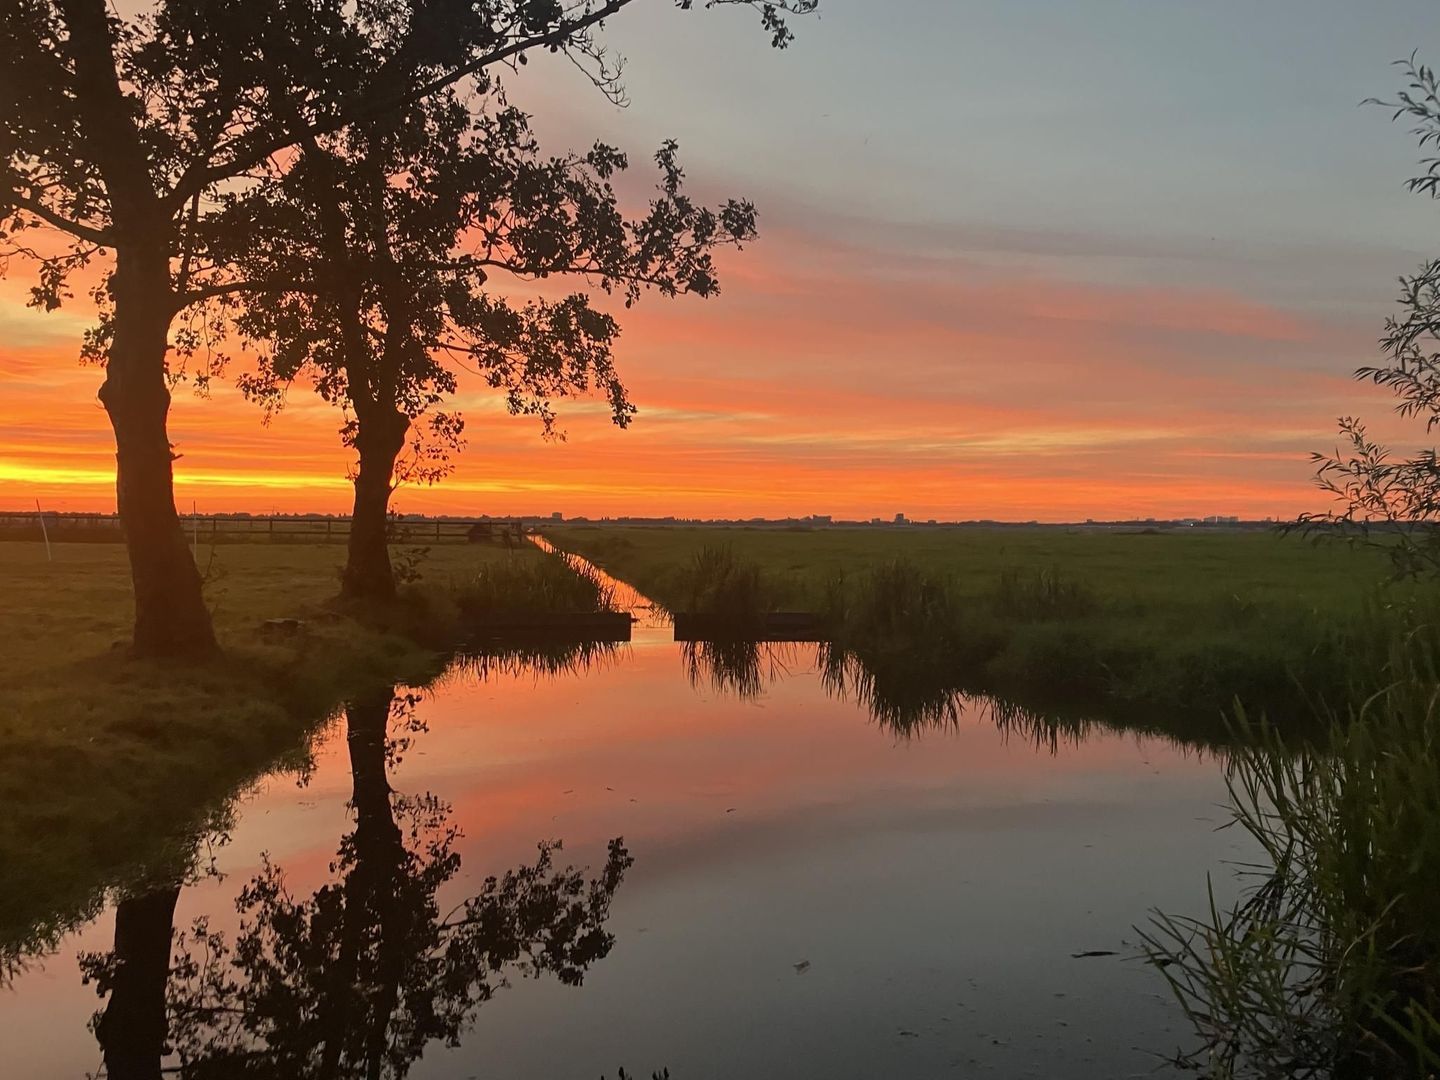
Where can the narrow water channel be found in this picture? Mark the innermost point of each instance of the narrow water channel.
(755, 878)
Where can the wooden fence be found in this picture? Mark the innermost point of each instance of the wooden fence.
(279, 528)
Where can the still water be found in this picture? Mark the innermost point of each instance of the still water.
(760, 876)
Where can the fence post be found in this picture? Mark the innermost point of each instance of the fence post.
(44, 531)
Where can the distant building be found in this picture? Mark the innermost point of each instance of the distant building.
(900, 519)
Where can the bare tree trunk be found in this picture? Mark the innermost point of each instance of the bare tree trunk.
(368, 574)
(170, 615)
(374, 887)
(369, 890)
(133, 1027)
(367, 735)
(171, 619)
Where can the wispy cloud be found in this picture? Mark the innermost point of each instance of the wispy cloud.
(833, 376)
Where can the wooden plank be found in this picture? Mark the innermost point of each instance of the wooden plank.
(800, 626)
(571, 625)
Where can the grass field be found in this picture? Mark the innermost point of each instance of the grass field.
(110, 762)
(1181, 619)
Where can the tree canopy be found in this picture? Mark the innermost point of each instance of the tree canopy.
(126, 135)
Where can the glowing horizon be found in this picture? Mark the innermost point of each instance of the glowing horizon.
(1161, 326)
(761, 403)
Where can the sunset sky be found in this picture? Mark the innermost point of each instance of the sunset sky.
(1037, 259)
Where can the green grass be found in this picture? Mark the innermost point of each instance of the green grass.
(1183, 620)
(112, 764)
(1180, 566)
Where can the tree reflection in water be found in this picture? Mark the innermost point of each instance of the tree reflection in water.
(906, 693)
(359, 977)
(542, 655)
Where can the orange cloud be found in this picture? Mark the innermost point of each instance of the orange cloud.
(825, 380)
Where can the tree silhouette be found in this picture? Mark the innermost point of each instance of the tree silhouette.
(133, 1027)
(123, 134)
(359, 977)
(389, 236)
(1374, 489)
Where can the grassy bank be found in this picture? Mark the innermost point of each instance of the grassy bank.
(1170, 620)
(112, 763)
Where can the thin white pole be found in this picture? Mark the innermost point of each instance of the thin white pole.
(44, 531)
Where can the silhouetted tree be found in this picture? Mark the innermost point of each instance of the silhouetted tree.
(121, 133)
(358, 978)
(133, 1027)
(391, 233)
(1374, 489)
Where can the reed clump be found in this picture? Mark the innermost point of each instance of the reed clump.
(553, 583)
(1329, 965)
(718, 582)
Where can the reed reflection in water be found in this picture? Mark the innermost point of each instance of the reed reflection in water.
(910, 697)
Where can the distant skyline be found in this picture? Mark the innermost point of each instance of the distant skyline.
(1050, 260)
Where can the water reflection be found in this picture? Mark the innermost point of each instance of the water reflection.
(133, 1026)
(539, 654)
(357, 978)
(183, 855)
(909, 696)
(904, 698)
(738, 666)
(908, 699)
(355, 957)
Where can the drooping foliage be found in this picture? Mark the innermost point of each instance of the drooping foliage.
(1381, 498)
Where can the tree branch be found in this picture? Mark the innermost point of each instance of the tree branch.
(209, 292)
(198, 180)
(587, 270)
(98, 237)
